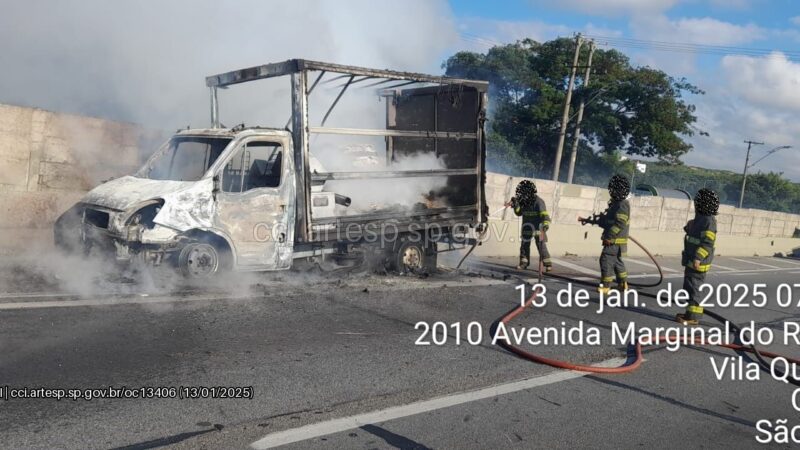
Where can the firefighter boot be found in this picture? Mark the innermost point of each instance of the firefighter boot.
(691, 316)
(523, 263)
(603, 289)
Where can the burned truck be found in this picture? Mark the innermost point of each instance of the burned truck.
(399, 191)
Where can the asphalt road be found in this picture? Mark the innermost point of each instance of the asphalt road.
(332, 363)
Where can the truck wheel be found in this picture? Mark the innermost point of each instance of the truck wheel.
(199, 260)
(414, 257)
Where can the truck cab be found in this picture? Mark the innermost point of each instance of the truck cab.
(224, 197)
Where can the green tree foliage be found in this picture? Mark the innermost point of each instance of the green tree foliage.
(634, 111)
(638, 110)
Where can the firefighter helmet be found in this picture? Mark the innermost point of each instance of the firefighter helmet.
(619, 187)
(706, 202)
(526, 192)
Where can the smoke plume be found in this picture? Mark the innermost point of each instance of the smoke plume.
(146, 62)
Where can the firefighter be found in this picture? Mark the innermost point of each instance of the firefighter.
(535, 222)
(615, 224)
(698, 251)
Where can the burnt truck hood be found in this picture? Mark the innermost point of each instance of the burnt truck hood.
(187, 204)
(126, 192)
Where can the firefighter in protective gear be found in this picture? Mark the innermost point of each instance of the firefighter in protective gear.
(698, 251)
(615, 222)
(535, 222)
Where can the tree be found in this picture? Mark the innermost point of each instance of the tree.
(633, 110)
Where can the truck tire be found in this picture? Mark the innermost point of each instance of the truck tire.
(200, 260)
(414, 257)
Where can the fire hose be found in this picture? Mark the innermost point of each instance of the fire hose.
(638, 357)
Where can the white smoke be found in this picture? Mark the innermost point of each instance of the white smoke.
(146, 62)
(372, 195)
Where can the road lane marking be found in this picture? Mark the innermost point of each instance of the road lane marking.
(647, 264)
(35, 294)
(111, 302)
(757, 263)
(128, 299)
(729, 269)
(397, 412)
(575, 267)
(787, 260)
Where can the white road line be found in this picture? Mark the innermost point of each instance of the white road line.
(576, 267)
(787, 260)
(347, 423)
(757, 263)
(647, 264)
(170, 298)
(795, 273)
(110, 302)
(729, 269)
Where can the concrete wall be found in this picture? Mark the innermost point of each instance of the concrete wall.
(49, 160)
(657, 222)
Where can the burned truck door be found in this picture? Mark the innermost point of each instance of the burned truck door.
(255, 203)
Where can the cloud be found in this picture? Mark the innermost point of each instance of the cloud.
(686, 30)
(771, 81)
(480, 34)
(731, 4)
(731, 113)
(147, 61)
(695, 30)
(795, 20)
(611, 8)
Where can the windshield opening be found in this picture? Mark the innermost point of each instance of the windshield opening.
(186, 158)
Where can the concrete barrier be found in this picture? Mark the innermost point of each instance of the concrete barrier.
(655, 221)
(49, 160)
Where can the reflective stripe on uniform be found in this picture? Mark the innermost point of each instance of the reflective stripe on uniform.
(615, 229)
(623, 217)
(710, 235)
(692, 240)
(619, 241)
(622, 275)
(694, 309)
(702, 253)
(607, 279)
(703, 267)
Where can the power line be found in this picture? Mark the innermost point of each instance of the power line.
(693, 48)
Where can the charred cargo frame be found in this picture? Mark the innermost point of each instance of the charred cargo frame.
(189, 214)
(307, 226)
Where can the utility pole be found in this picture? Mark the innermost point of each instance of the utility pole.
(746, 164)
(565, 118)
(574, 154)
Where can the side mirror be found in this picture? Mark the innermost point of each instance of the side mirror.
(216, 187)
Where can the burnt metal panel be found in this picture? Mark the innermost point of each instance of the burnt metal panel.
(396, 133)
(300, 138)
(296, 65)
(329, 176)
(442, 111)
(253, 73)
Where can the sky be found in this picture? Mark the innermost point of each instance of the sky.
(750, 95)
(146, 61)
